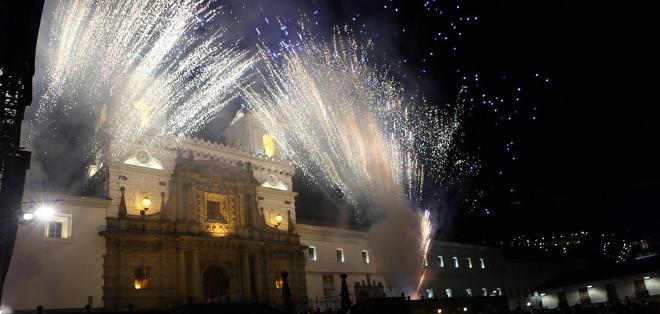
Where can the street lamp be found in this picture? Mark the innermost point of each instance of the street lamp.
(278, 220)
(146, 204)
(43, 212)
(28, 216)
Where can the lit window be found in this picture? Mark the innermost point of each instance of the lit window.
(216, 208)
(483, 264)
(468, 292)
(269, 145)
(365, 256)
(58, 227)
(311, 253)
(429, 293)
(469, 262)
(340, 256)
(455, 261)
(279, 282)
(54, 229)
(142, 276)
(448, 292)
(441, 261)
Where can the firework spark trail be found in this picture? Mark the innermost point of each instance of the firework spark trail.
(424, 244)
(152, 65)
(345, 122)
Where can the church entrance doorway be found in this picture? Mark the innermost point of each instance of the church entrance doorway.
(216, 286)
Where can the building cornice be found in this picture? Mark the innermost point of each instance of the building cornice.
(204, 149)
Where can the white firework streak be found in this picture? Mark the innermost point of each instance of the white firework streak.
(424, 244)
(141, 65)
(347, 123)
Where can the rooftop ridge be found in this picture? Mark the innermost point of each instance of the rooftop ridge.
(210, 149)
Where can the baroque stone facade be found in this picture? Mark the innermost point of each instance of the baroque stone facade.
(210, 241)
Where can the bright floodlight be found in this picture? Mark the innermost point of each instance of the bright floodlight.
(465, 309)
(44, 212)
(146, 203)
(439, 310)
(27, 217)
(647, 277)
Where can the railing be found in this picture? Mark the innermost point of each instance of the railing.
(328, 304)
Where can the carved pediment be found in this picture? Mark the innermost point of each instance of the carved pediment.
(215, 172)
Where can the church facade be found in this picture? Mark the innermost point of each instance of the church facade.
(198, 221)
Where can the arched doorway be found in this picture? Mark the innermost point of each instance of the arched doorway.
(216, 284)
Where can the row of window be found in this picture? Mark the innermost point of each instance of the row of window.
(468, 292)
(341, 257)
(455, 261)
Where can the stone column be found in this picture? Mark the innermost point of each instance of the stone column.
(196, 283)
(245, 260)
(287, 300)
(258, 273)
(182, 273)
(179, 201)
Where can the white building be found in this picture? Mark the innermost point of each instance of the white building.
(332, 251)
(629, 282)
(466, 270)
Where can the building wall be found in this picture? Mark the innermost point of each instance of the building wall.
(58, 273)
(598, 293)
(326, 241)
(515, 278)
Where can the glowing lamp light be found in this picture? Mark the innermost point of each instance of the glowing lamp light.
(589, 286)
(146, 203)
(529, 303)
(465, 309)
(28, 216)
(439, 310)
(542, 294)
(278, 219)
(647, 277)
(44, 212)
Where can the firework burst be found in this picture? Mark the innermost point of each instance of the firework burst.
(146, 69)
(346, 122)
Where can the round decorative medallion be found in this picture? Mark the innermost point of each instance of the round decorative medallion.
(272, 180)
(142, 156)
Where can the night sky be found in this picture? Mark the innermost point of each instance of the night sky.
(583, 142)
(590, 159)
(561, 99)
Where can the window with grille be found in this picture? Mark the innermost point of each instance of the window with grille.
(340, 256)
(563, 300)
(328, 286)
(55, 229)
(365, 257)
(58, 227)
(640, 289)
(612, 296)
(584, 296)
(311, 253)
